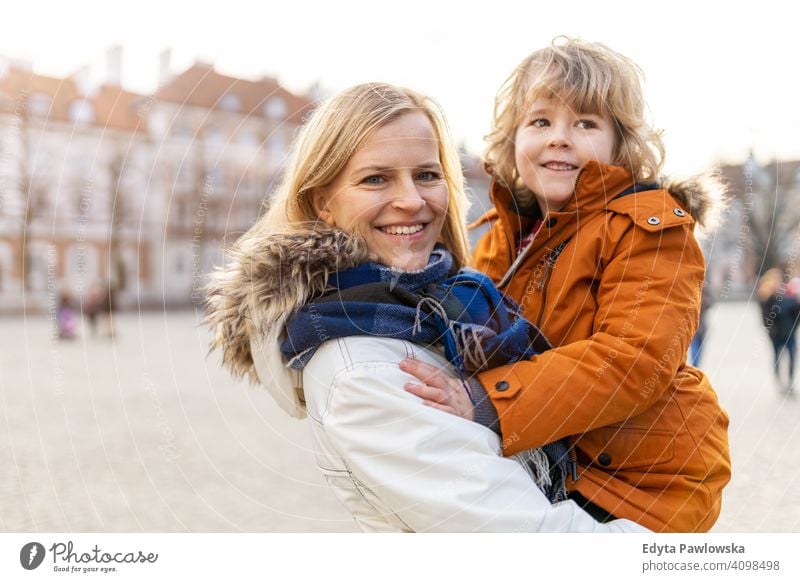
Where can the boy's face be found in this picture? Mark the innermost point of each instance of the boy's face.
(553, 143)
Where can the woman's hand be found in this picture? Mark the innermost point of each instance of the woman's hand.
(438, 389)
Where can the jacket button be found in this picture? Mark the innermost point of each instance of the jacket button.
(653, 220)
(679, 212)
(604, 459)
(501, 386)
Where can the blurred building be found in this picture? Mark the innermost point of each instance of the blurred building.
(98, 184)
(477, 182)
(762, 226)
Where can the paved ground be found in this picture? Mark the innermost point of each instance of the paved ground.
(148, 434)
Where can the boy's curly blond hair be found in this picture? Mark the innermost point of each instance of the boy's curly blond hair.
(589, 78)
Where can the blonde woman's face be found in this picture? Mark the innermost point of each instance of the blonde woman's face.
(553, 143)
(392, 192)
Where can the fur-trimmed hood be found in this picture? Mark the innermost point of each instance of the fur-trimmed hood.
(267, 279)
(601, 186)
(703, 196)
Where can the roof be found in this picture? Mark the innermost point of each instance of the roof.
(201, 86)
(114, 107)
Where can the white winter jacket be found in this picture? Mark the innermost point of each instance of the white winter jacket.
(395, 463)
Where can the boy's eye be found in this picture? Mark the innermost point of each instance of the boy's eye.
(540, 122)
(586, 124)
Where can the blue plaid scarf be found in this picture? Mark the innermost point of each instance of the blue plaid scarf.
(479, 328)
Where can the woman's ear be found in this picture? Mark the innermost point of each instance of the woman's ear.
(319, 200)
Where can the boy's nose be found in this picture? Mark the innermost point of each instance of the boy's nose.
(558, 137)
(557, 140)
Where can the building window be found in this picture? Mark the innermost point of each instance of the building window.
(246, 217)
(81, 111)
(276, 108)
(277, 146)
(216, 179)
(215, 135)
(248, 138)
(180, 212)
(246, 182)
(39, 104)
(182, 129)
(82, 205)
(230, 103)
(158, 122)
(183, 178)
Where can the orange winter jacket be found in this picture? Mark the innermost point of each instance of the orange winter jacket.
(613, 280)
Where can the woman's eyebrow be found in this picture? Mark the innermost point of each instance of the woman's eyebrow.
(377, 168)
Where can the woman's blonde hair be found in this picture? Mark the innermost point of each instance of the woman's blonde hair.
(329, 139)
(589, 78)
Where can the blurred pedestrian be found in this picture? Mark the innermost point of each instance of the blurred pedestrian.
(109, 304)
(66, 320)
(699, 339)
(780, 310)
(92, 305)
(99, 304)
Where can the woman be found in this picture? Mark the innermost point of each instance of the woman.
(373, 184)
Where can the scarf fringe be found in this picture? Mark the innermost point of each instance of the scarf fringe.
(537, 465)
(468, 340)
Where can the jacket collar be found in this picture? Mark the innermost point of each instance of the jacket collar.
(596, 186)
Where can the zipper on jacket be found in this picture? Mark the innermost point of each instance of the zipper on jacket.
(573, 462)
(520, 257)
(512, 269)
(550, 262)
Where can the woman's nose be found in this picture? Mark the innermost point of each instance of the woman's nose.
(408, 197)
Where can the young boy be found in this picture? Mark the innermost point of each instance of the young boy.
(601, 256)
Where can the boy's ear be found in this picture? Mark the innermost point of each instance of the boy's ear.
(319, 201)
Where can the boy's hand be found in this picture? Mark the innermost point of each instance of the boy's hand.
(438, 389)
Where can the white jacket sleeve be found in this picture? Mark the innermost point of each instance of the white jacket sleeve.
(431, 470)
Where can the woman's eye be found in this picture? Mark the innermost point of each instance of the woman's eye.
(428, 176)
(540, 122)
(586, 124)
(374, 180)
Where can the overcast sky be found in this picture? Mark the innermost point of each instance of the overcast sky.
(721, 76)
